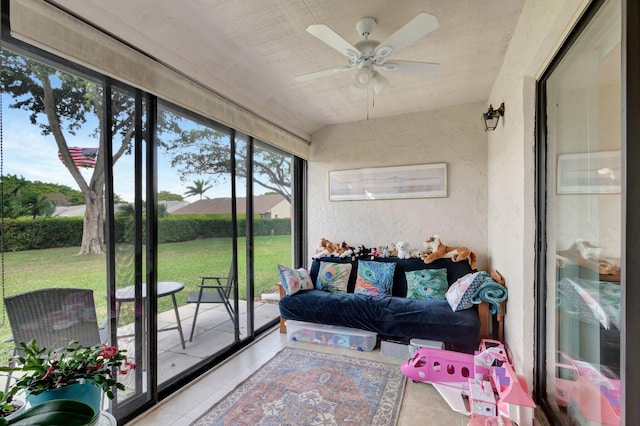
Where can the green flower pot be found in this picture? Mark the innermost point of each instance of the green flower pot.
(85, 392)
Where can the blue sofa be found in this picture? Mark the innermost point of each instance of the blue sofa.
(393, 317)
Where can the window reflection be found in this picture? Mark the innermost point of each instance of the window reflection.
(584, 226)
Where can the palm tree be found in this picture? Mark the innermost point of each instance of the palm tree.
(199, 188)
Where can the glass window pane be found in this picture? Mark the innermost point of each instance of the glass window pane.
(195, 245)
(272, 223)
(584, 226)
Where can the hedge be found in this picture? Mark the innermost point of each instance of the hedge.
(23, 234)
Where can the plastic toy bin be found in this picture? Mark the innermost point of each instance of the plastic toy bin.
(331, 335)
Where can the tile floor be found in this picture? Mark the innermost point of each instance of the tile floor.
(422, 405)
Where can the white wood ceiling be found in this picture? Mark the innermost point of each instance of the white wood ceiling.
(251, 50)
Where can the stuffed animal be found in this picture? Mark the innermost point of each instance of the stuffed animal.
(326, 248)
(361, 252)
(384, 251)
(345, 250)
(393, 250)
(434, 249)
(373, 252)
(403, 250)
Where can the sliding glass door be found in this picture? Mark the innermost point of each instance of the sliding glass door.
(176, 222)
(582, 182)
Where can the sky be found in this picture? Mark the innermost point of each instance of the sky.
(28, 153)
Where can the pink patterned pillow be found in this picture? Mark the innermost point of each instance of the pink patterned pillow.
(294, 280)
(460, 292)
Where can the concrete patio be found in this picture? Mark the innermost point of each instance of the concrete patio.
(214, 331)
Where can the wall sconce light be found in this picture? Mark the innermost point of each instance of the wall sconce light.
(491, 117)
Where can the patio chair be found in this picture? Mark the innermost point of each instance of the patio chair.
(217, 292)
(54, 317)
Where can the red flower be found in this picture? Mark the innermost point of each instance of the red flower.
(128, 365)
(49, 372)
(94, 367)
(108, 352)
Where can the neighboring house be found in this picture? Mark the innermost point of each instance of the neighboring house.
(70, 211)
(269, 206)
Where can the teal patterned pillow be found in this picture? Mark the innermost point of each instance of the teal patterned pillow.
(427, 284)
(375, 278)
(333, 277)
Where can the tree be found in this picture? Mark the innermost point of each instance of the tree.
(169, 196)
(60, 104)
(206, 151)
(36, 205)
(199, 188)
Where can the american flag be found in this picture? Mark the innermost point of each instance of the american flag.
(82, 157)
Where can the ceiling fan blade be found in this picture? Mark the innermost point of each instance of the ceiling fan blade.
(330, 37)
(410, 68)
(323, 73)
(413, 30)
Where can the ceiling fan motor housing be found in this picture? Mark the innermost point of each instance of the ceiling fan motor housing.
(365, 26)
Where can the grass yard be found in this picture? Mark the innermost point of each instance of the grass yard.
(184, 261)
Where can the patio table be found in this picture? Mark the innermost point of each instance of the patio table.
(165, 288)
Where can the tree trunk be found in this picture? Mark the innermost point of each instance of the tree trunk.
(93, 229)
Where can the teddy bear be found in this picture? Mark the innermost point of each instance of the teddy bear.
(434, 249)
(403, 250)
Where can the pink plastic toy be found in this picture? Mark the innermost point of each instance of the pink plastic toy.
(438, 365)
(456, 374)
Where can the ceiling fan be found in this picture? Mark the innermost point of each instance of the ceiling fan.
(368, 56)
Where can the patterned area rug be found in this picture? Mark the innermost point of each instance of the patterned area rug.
(300, 387)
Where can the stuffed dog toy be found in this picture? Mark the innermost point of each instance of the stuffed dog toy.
(434, 249)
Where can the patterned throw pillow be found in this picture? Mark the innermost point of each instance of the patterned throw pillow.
(294, 280)
(460, 292)
(374, 278)
(427, 284)
(333, 277)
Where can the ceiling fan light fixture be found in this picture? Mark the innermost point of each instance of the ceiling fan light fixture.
(364, 75)
(379, 83)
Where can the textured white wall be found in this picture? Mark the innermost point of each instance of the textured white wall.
(511, 168)
(452, 135)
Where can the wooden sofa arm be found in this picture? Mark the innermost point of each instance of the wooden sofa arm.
(492, 326)
(283, 328)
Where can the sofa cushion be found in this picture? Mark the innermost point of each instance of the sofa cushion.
(427, 284)
(333, 277)
(374, 278)
(294, 280)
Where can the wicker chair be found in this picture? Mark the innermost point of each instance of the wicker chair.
(54, 317)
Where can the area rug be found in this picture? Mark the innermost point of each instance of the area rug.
(300, 387)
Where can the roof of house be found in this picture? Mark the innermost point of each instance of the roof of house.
(261, 204)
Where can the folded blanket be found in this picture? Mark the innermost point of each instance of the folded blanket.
(492, 293)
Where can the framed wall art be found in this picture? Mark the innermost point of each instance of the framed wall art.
(383, 183)
(589, 173)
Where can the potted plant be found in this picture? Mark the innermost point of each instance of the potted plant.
(73, 372)
(54, 412)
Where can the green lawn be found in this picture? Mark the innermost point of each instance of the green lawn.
(184, 261)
